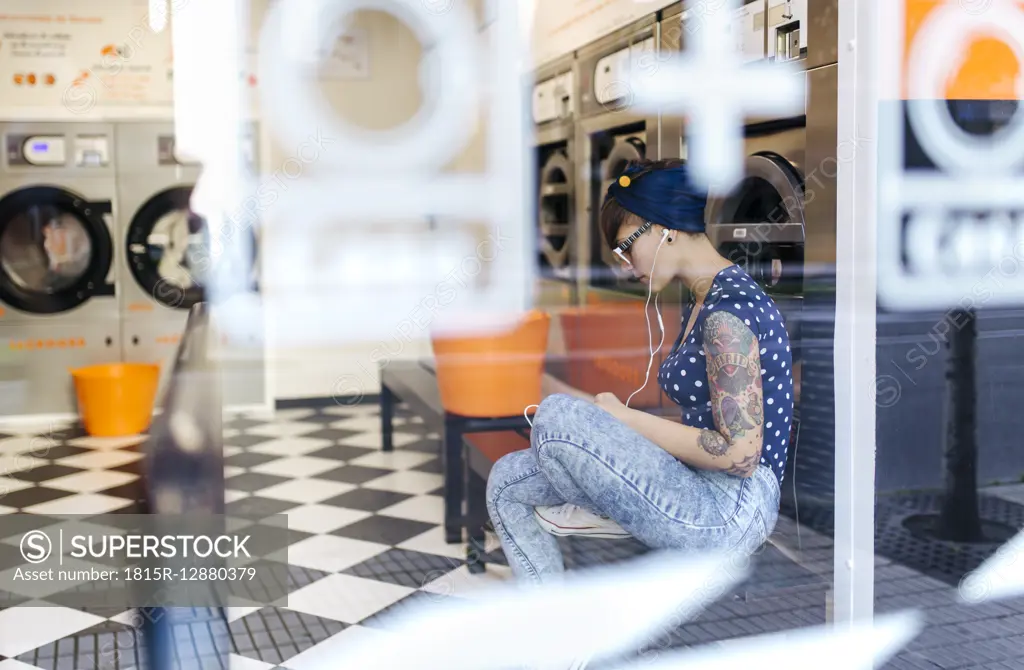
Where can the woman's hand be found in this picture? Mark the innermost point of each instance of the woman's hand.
(609, 403)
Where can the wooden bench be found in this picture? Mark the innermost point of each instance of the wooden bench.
(470, 448)
(415, 383)
(482, 451)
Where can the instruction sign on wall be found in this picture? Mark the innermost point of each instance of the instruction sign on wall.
(70, 60)
(82, 56)
(951, 156)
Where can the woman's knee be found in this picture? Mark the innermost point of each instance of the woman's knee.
(558, 413)
(505, 470)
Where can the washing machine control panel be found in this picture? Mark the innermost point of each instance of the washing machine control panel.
(552, 99)
(613, 73)
(92, 151)
(38, 150)
(611, 76)
(169, 154)
(787, 29)
(746, 31)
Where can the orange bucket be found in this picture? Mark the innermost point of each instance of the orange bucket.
(494, 374)
(117, 399)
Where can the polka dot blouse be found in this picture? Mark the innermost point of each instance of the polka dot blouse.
(684, 378)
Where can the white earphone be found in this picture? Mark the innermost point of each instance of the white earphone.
(647, 317)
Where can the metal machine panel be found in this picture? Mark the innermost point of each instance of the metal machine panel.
(822, 157)
(607, 343)
(554, 112)
(747, 27)
(803, 32)
(41, 356)
(666, 139)
(64, 143)
(149, 147)
(153, 341)
(813, 474)
(154, 187)
(594, 66)
(165, 252)
(787, 30)
(823, 41)
(58, 309)
(57, 192)
(604, 133)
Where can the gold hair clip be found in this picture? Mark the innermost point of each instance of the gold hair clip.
(624, 181)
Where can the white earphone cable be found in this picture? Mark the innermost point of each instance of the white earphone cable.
(650, 335)
(647, 317)
(526, 414)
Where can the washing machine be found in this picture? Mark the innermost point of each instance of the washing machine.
(779, 223)
(610, 133)
(553, 117)
(168, 257)
(58, 261)
(760, 224)
(553, 108)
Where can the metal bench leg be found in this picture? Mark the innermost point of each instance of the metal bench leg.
(454, 471)
(476, 503)
(387, 416)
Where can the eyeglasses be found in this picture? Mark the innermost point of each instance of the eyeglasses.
(623, 249)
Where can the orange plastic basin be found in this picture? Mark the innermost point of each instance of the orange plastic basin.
(115, 400)
(495, 374)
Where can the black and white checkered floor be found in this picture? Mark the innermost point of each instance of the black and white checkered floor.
(365, 526)
(366, 540)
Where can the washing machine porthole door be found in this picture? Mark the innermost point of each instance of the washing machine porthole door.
(555, 214)
(169, 249)
(771, 191)
(55, 250)
(760, 226)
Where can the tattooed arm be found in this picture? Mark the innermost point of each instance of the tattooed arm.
(734, 376)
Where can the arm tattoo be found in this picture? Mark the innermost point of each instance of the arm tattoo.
(744, 467)
(712, 442)
(734, 376)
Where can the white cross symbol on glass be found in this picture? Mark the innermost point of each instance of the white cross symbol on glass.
(708, 84)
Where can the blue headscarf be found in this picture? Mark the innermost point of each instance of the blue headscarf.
(665, 196)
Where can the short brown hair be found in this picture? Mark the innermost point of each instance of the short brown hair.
(614, 216)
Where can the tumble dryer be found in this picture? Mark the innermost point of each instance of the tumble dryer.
(168, 257)
(553, 116)
(58, 262)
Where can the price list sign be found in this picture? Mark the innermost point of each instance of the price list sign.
(951, 155)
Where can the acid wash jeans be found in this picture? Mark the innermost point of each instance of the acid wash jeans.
(582, 455)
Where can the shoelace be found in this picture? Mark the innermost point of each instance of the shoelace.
(568, 509)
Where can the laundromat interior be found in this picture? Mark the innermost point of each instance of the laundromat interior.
(317, 349)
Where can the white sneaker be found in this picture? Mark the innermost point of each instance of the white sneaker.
(568, 519)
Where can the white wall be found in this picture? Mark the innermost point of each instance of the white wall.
(390, 96)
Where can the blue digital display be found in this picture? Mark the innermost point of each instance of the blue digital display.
(40, 146)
